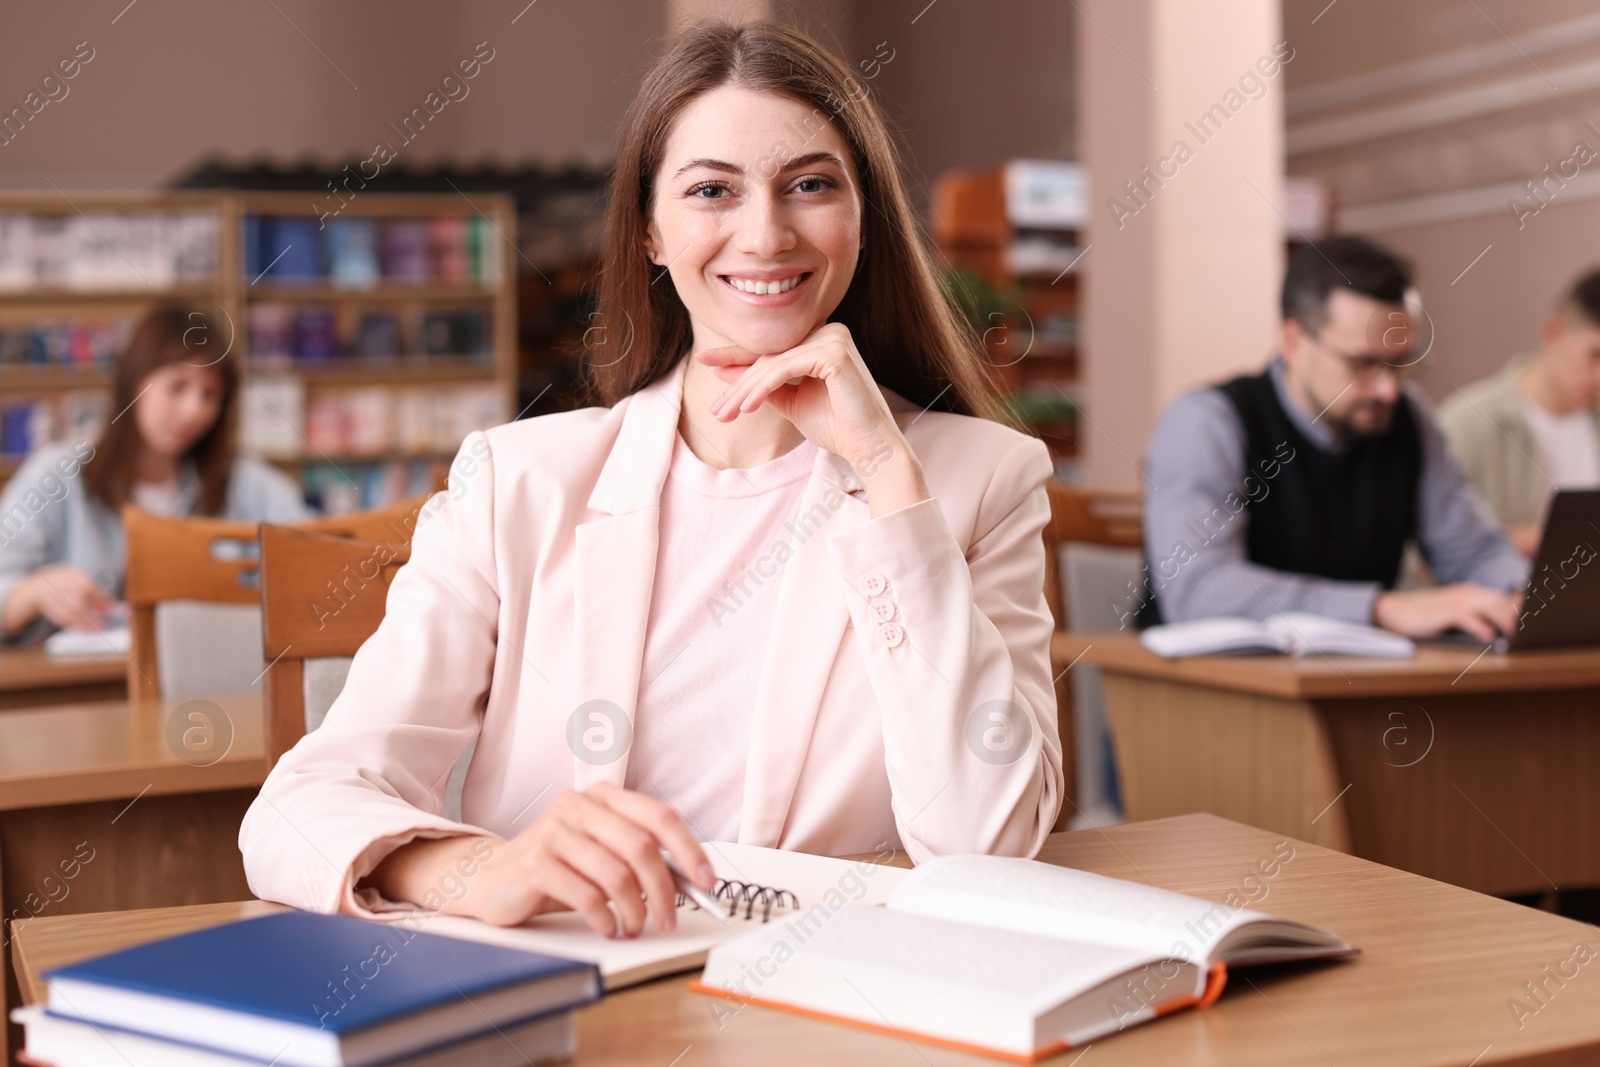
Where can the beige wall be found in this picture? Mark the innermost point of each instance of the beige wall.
(1426, 118)
(1181, 291)
(177, 81)
(974, 84)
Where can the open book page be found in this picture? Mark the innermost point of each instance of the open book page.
(1303, 634)
(1206, 637)
(930, 976)
(1043, 899)
(815, 881)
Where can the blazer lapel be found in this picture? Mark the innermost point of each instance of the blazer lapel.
(616, 562)
(809, 624)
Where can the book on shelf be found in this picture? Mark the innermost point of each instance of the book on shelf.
(355, 252)
(28, 423)
(305, 990)
(1008, 957)
(340, 488)
(1046, 194)
(107, 249)
(1297, 633)
(79, 342)
(287, 335)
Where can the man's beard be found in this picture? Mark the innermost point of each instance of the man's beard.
(1379, 416)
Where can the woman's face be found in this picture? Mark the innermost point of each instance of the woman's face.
(756, 188)
(176, 406)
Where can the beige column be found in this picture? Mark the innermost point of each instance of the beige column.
(1182, 134)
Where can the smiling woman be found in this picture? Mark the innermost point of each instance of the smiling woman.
(786, 587)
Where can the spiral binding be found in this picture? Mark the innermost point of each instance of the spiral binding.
(750, 896)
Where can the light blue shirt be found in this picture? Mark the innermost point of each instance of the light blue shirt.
(47, 516)
(1196, 461)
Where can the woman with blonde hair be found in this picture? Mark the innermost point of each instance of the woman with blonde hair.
(782, 585)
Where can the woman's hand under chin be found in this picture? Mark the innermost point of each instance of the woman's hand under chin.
(823, 387)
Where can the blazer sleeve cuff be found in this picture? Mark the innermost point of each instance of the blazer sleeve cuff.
(908, 549)
(327, 870)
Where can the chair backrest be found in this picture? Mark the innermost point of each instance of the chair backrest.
(392, 523)
(1094, 516)
(181, 572)
(1092, 538)
(204, 560)
(321, 597)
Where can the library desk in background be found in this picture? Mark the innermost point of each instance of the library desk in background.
(1475, 769)
(116, 804)
(1438, 967)
(31, 678)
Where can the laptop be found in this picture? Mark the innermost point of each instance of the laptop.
(1562, 605)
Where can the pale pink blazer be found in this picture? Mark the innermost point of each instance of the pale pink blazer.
(527, 596)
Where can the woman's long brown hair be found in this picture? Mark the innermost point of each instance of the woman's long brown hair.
(167, 334)
(908, 334)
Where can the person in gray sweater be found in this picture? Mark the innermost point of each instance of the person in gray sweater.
(168, 448)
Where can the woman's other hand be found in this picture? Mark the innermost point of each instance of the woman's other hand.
(62, 593)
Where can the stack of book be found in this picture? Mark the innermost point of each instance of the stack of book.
(359, 252)
(107, 250)
(295, 989)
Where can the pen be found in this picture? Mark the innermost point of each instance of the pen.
(706, 901)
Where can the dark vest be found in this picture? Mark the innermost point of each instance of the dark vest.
(1346, 516)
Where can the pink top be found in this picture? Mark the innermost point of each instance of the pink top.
(724, 540)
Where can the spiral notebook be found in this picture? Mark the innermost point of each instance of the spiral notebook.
(759, 885)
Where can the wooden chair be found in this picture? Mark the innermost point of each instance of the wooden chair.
(391, 523)
(216, 561)
(205, 559)
(303, 619)
(1094, 516)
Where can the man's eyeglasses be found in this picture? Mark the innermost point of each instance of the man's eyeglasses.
(1361, 365)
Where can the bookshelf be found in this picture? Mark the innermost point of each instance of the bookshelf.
(1009, 238)
(368, 347)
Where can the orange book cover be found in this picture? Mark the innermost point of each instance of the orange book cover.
(1216, 979)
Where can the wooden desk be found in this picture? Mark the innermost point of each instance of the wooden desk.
(30, 678)
(1479, 771)
(115, 805)
(1431, 988)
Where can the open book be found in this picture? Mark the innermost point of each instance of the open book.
(1294, 632)
(1006, 957)
(761, 885)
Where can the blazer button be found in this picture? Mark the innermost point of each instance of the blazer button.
(891, 634)
(874, 583)
(883, 608)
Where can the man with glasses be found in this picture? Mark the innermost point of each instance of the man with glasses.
(1298, 489)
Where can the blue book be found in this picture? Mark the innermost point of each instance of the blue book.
(304, 990)
(292, 251)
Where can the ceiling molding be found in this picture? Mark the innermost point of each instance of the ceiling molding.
(1457, 105)
(1384, 215)
(1438, 69)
